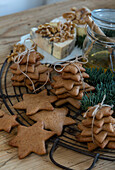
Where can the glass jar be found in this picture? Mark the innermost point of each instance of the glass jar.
(100, 48)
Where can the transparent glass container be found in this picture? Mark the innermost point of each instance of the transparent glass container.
(100, 48)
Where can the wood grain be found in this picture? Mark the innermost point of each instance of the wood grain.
(12, 27)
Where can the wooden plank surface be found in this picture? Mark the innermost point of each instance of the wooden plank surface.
(12, 27)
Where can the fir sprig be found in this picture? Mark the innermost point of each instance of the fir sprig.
(104, 83)
(98, 76)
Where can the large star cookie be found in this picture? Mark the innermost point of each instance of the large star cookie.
(31, 139)
(7, 121)
(54, 120)
(35, 102)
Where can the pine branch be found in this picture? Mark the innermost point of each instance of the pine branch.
(104, 85)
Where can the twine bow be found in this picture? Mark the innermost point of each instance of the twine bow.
(97, 107)
(66, 63)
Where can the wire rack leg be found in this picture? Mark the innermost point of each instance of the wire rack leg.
(54, 147)
(94, 161)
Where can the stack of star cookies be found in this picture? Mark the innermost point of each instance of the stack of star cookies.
(36, 71)
(69, 85)
(101, 131)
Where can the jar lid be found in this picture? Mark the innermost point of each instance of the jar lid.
(104, 18)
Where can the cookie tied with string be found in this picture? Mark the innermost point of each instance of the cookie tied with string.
(27, 66)
(71, 68)
(70, 86)
(98, 130)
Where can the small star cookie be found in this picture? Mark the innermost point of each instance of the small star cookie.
(7, 121)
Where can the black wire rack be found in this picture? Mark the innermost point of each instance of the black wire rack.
(11, 95)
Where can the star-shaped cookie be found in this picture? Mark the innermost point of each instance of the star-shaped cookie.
(74, 91)
(92, 146)
(60, 82)
(7, 121)
(99, 123)
(54, 120)
(76, 77)
(17, 71)
(71, 68)
(33, 57)
(35, 102)
(74, 102)
(104, 111)
(31, 139)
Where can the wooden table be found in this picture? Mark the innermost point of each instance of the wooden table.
(12, 27)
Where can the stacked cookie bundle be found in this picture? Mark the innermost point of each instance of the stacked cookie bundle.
(33, 69)
(69, 86)
(99, 132)
(39, 108)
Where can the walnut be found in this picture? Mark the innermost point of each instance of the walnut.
(77, 16)
(70, 16)
(56, 39)
(59, 33)
(51, 39)
(18, 48)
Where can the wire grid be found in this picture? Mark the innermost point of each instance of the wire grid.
(67, 139)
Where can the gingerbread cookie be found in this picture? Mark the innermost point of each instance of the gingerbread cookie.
(76, 77)
(60, 82)
(33, 58)
(87, 131)
(17, 83)
(72, 101)
(73, 92)
(65, 95)
(23, 68)
(18, 78)
(35, 102)
(7, 121)
(104, 111)
(98, 131)
(54, 120)
(71, 68)
(31, 139)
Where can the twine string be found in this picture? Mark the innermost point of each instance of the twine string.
(44, 83)
(66, 63)
(20, 57)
